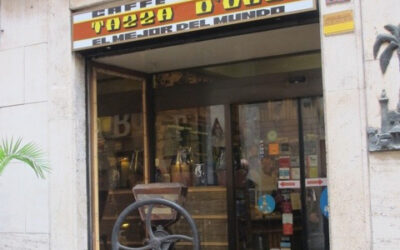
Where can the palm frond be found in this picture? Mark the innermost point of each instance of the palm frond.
(393, 29)
(381, 39)
(30, 154)
(387, 55)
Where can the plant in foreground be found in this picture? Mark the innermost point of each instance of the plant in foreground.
(29, 154)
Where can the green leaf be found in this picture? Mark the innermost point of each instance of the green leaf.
(29, 154)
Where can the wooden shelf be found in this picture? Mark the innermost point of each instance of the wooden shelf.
(210, 217)
(190, 190)
(204, 243)
(115, 217)
(276, 230)
(196, 217)
(120, 191)
(130, 243)
(268, 217)
(206, 189)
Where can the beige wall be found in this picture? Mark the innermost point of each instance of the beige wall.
(348, 179)
(363, 187)
(383, 166)
(42, 99)
(79, 4)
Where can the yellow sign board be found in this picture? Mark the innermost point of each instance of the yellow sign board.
(338, 23)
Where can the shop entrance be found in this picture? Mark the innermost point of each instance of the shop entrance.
(241, 126)
(280, 174)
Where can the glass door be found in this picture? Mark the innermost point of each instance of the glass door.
(315, 176)
(280, 174)
(190, 149)
(119, 151)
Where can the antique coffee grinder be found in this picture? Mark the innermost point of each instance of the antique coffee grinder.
(159, 206)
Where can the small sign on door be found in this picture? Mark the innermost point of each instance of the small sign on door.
(288, 184)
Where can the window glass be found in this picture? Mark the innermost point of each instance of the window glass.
(190, 149)
(120, 155)
(190, 146)
(315, 173)
(267, 175)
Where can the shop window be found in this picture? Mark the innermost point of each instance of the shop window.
(245, 138)
(120, 154)
(190, 149)
(315, 173)
(279, 178)
(267, 145)
(190, 146)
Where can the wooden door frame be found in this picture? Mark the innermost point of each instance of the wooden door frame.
(93, 69)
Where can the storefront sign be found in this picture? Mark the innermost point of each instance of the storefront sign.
(336, 1)
(338, 23)
(154, 18)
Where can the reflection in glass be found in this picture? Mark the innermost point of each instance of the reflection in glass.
(190, 146)
(120, 154)
(190, 149)
(267, 157)
(315, 166)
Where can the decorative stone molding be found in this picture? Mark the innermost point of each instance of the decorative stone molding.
(388, 136)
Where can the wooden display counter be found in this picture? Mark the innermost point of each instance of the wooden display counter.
(206, 204)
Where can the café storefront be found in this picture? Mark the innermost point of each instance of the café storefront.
(222, 96)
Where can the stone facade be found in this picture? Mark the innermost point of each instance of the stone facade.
(42, 99)
(362, 186)
(383, 167)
